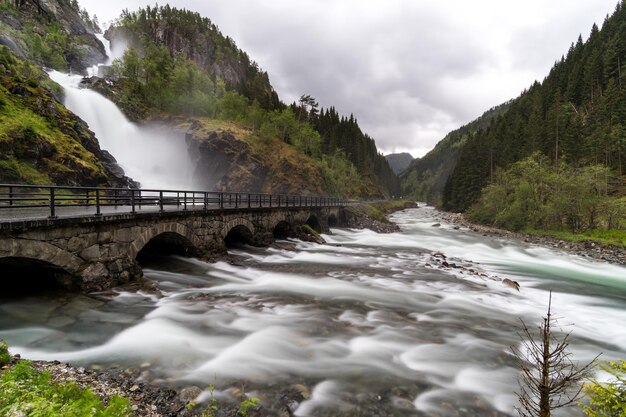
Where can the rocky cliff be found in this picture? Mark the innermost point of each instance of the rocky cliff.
(51, 33)
(230, 157)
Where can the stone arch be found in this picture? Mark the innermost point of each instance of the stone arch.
(166, 243)
(314, 223)
(237, 235)
(28, 275)
(237, 222)
(41, 251)
(34, 266)
(161, 228)
(282, 230)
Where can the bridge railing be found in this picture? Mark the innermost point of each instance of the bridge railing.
(52, 201)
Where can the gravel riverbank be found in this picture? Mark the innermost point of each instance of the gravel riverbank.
(585, 249)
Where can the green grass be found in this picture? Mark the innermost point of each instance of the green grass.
(602, 237)
(26, 391)
(380, 210)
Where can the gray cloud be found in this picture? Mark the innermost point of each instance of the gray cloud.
(410, 71)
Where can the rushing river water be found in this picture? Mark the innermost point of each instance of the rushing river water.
(369, 322)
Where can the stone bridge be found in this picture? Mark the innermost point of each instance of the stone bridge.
(96, 253)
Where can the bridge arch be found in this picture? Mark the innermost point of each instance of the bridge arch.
(314, 223)
(282, 230)
(171, 235)
(166, 243)
(238, 235)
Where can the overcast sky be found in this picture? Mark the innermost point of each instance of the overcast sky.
(409, 70)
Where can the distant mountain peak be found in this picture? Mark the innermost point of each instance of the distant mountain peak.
(399, 161)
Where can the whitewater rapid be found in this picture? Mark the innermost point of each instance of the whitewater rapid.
(366, 319)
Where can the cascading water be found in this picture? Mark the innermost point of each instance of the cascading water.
(368, 322)
(155, 157)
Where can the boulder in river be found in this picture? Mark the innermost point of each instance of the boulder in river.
(511, 283)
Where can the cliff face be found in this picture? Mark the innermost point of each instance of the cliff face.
(50, 33)
(229, 157)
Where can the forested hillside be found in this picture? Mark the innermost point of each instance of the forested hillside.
(426, 177)
(179, 63)
(577, 115)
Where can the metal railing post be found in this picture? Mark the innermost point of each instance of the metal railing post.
(115, 198)
(132, 201)
(52, 203)
(185, 201)
(206, 200)
(98, 212)
(10, 196)
(249, 202)
(161, 201)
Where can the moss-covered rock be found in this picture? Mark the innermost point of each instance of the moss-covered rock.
(41, 142)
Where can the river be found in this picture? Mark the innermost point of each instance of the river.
(370, 324)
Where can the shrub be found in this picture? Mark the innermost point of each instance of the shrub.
(5, 356)
(608, 399)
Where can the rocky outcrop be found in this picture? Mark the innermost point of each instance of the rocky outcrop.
(26, 26)
(229, 157)
(225, 162)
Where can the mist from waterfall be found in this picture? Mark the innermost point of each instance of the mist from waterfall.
(153, 156)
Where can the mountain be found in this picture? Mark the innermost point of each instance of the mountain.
(399, 161)
(425, 178)
(577, 115)
(179, 63)
(187, 34)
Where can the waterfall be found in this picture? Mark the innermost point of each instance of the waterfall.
(155, 157)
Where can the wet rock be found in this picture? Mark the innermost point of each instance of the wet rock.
(189, 394)
(436, 225)
(511, 283)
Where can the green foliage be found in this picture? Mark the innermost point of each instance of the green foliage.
(26, 391)
(611, 237)
(248, 404)
(5, 356)
(608, 399)
(202, 44)
(534, 194)
(575, 115)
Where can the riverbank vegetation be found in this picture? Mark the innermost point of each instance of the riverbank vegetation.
(25, 391)
(573, 203)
